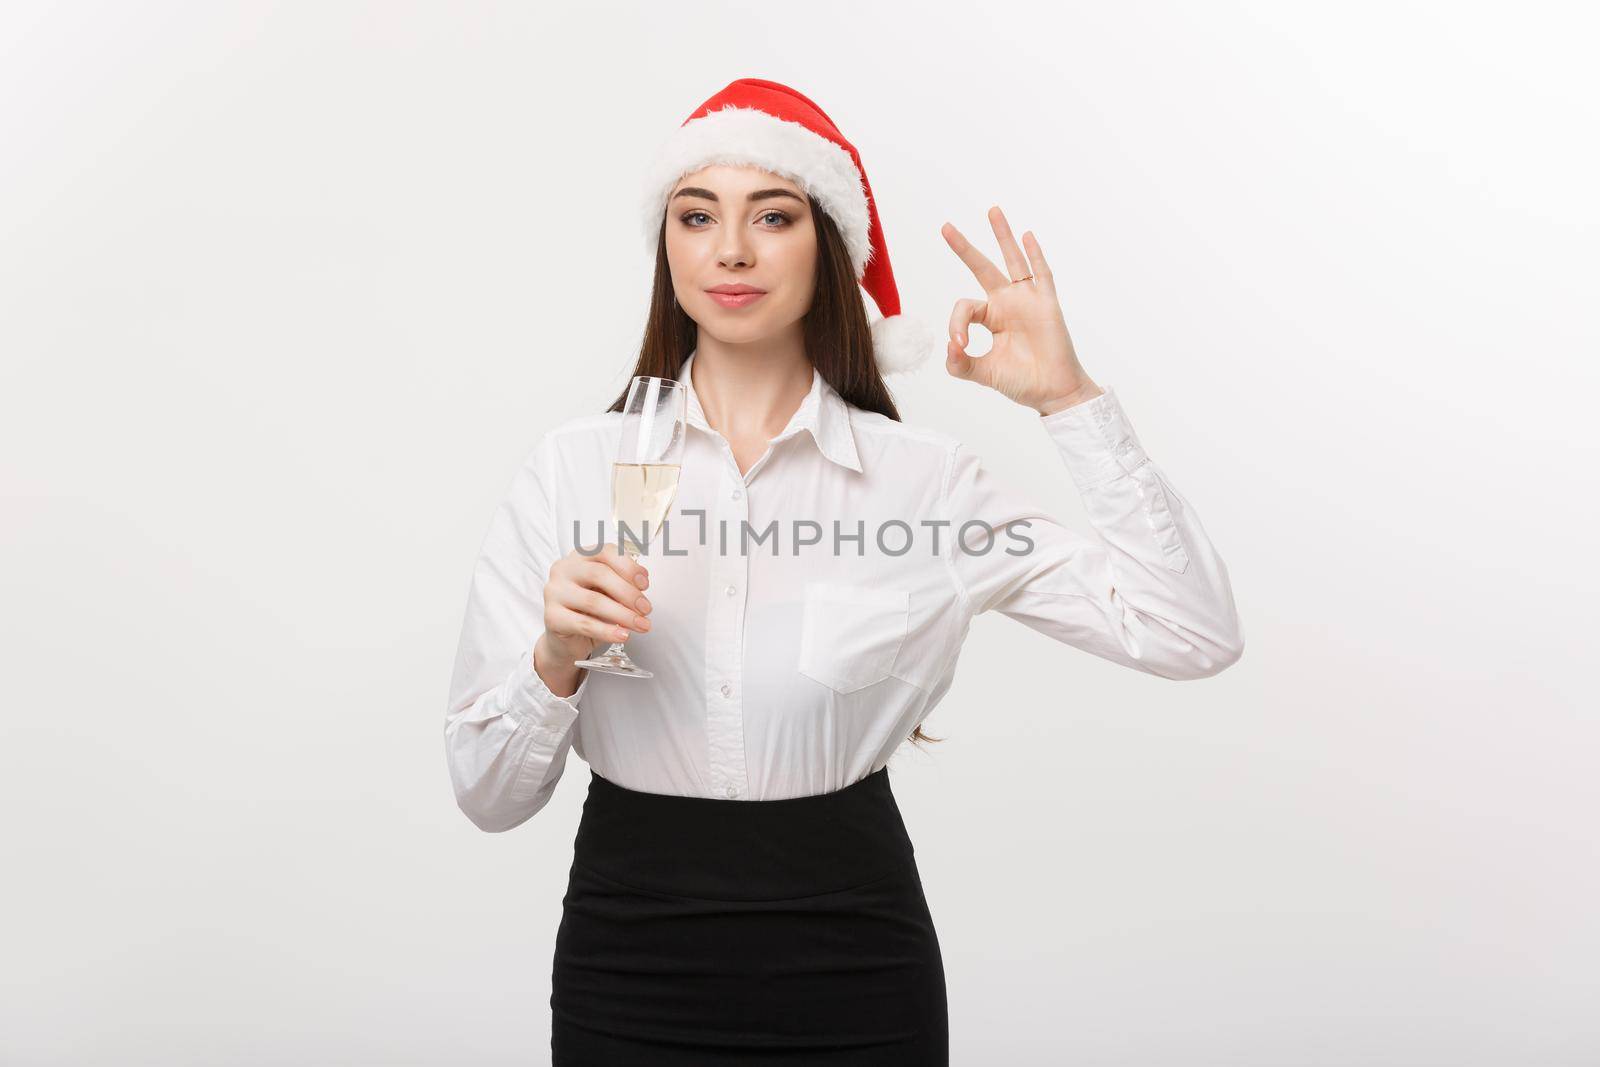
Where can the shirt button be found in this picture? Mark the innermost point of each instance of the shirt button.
(726, 690)
(737, 493)
(732, 590)
(733, 791)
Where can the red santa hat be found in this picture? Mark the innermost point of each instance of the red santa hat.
(771, 126)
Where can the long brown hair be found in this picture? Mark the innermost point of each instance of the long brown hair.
(838, 337)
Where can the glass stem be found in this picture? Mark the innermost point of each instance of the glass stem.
(629, 551)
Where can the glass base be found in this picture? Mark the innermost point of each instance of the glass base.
(615, 661)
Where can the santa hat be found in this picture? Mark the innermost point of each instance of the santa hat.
(768, 125)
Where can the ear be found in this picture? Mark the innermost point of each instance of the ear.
(901, 344)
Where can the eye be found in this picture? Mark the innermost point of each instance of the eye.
(688, 216)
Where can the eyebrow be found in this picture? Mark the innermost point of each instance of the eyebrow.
(760, 194)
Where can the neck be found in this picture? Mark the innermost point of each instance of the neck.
(751, 390)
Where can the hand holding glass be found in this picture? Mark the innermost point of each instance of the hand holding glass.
(644, 483)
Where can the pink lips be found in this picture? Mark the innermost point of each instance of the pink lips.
(736, 300)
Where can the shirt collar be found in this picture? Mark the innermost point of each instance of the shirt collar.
(823, 412)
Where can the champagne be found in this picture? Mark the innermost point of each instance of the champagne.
(644, 483)
(641, 496)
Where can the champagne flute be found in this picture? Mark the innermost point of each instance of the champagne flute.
(644, 483)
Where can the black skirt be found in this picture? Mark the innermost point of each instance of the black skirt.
(704, 931)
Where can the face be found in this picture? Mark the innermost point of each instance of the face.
(741, 226)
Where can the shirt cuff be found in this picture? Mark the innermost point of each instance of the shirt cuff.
(1096, 440)
(532, 706)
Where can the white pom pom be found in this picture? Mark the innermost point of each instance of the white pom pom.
(902, 344)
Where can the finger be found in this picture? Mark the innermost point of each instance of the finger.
(600, 605)
(1016, 262)
(604, 580)
(567, 621)
(1041, 267)
(989, 276)
(630, 569)
(958, 363)
(964, 314)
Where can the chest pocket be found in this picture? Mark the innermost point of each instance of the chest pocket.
(851, 634)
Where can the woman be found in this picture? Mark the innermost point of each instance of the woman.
(742, 883)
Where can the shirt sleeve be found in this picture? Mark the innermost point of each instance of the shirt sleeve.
(1148, 590)
(506, 734)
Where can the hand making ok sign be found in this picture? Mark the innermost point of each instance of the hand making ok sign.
(1032, 360)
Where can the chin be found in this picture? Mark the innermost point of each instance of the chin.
(731, 329)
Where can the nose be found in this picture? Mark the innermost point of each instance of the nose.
(735, 251)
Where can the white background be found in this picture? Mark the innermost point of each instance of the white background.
(288, 290)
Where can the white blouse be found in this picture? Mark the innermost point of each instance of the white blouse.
(808, 614)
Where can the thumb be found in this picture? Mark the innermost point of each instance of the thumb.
(957, 362)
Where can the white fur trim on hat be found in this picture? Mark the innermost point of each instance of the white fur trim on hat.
(901, 344)
(737, 136)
